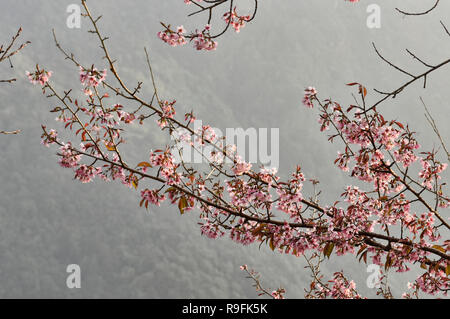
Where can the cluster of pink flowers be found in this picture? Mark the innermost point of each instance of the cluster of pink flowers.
(86, 174)
(374, 152)
(211, 229)
(68, 158)
(241, 168)
(290, 195)
(242, 233)
(370, 160)
(101, 128)
(339, 287)
(376, 138)
(205, 134)
(405, 151)
(432, 282)
(39, 76)
(126, 117)
(49, 138)
(279, 293)
(203, 40)
(342, 288)
(310, 93)
(167, 166)
(173, 38)
(245, 194)
(431, 170)
(235, 20)
(168, 112)
(152, 196)
(91, 78)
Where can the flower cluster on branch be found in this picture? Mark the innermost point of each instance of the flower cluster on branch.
(394, 220)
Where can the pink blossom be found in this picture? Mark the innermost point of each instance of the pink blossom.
(91, 78)
(241, 168)
(236, 21)
(310, 93)
(39, 76)
(152, 196)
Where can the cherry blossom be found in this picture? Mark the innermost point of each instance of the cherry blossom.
(391, 213)
(310, 93)
(235, 20)
(39, 76)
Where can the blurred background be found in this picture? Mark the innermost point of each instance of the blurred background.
(254, 79)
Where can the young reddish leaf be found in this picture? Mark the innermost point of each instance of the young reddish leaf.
(399, 124)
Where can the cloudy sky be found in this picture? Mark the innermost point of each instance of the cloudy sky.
(255, 79)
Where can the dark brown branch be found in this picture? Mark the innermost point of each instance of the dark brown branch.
(419, 13)
(390, 63)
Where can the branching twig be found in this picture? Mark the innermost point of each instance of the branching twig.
(419, 13)
(430, 120)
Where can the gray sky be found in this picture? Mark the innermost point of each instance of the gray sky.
(254, 79)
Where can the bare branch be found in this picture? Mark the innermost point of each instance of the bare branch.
(419, 13)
